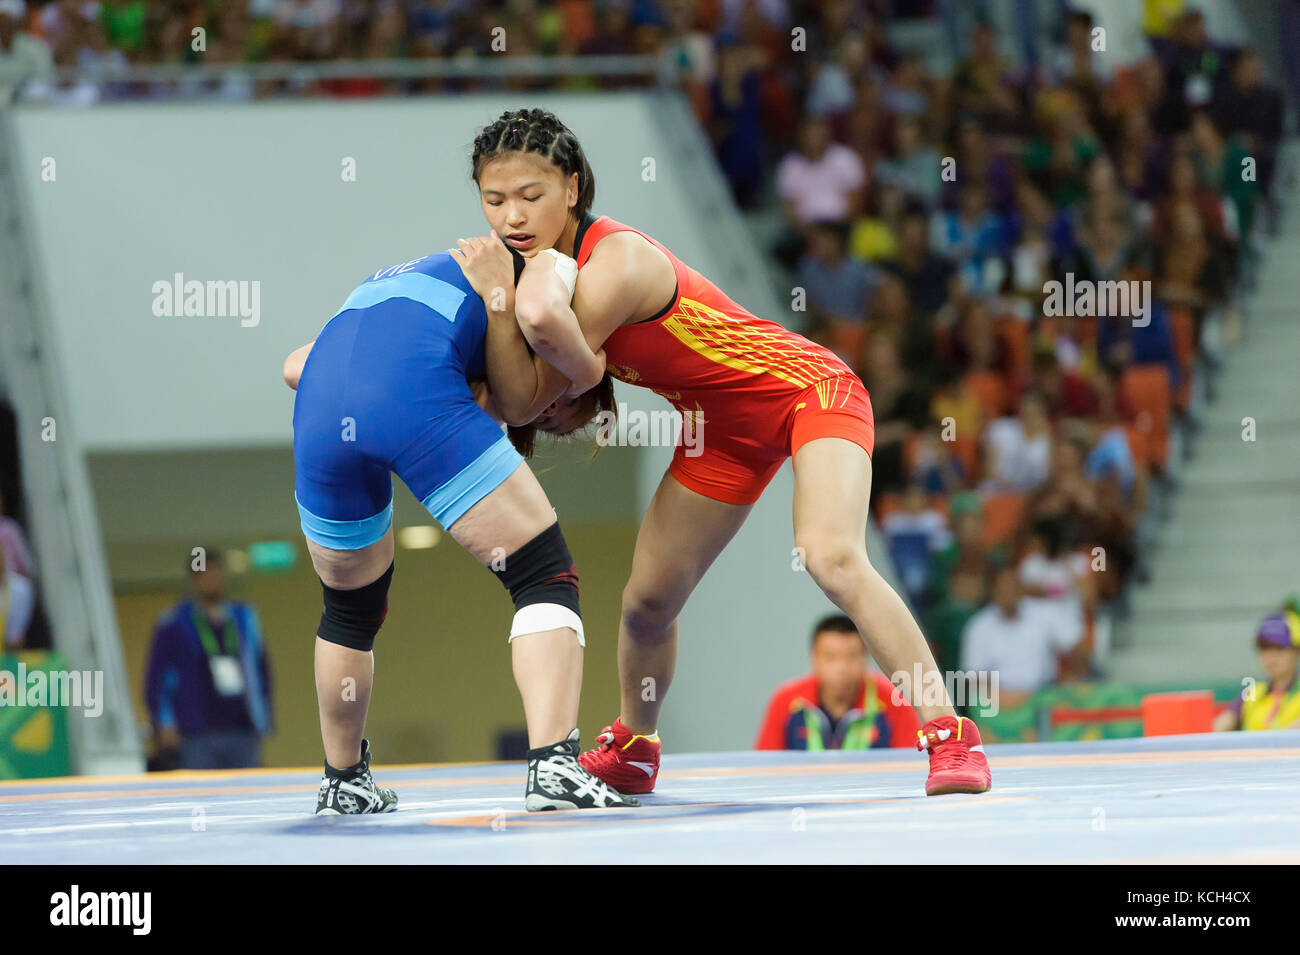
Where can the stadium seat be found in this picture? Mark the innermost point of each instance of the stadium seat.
(1146, 389)
(1002, 515)
(990, 390)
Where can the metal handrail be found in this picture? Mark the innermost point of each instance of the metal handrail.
(67, 539)
(486, 67)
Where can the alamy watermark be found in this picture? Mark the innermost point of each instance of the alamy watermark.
(659, 428)
(1088, 299)
(973, 689)
(80, 689)
(178, 298)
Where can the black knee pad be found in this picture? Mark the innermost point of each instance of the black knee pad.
(542, 572)
(353, 617)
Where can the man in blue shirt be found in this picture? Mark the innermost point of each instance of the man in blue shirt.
(208, 683)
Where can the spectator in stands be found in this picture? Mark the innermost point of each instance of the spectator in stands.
(935, 467)
(982, 82)
(1067, 495)
(971, 238)
(842, 704)
(1184, 188)
(832, 92)
(686, 53)
(1076, 68)
(1040, 233)
(208, 684)
(1105, 249)
(906, 94)
(958, 580)
(913, 533)
(891, 312)
(307, 29)
(915, 166)
(1020, 639)
(1104, 196)
(1194, 59)
(125, 24)
(837, 286)
(735, 122)
(1139, 159)
(1066, 393)
(822, 181)
(1018, 450)
(979, 161)
(1221, 163)
(24, 59)
(924, 274)
(1053, 572)
(954, 404)
(17, 604)
(1057, 160)
(17, 553)
(1246, 105)
(874, 237)
(972, 344)
(900, 407)
(1192, 268)
(1276, 705)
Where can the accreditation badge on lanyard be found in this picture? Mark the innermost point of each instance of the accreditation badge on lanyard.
(227, 674)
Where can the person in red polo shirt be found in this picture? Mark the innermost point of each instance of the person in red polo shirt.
(842, 704)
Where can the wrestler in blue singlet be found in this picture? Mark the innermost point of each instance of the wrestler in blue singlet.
(384, 389)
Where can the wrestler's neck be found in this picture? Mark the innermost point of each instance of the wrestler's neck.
(568, 237)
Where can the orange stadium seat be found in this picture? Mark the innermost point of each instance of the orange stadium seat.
(990, 390)
(1146, 389)
(966, 450)
(848, 340)
(1002, 514)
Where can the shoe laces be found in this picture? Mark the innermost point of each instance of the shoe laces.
(605, 739)
(935, 739)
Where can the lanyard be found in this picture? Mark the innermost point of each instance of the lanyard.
(1282, 699)
(229, 635)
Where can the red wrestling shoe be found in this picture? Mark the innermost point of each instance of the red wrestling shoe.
(957, 763)
(623, 760)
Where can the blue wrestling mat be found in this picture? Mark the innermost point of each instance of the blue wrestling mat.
(1226, 798)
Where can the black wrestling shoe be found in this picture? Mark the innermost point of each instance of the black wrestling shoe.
(557, 781)
(352, 791)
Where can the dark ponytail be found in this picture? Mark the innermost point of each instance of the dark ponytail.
(593, 402)
(540, 132)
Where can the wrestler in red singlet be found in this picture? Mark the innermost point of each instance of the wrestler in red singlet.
(755, 390)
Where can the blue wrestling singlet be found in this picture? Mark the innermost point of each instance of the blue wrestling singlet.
(384, 390)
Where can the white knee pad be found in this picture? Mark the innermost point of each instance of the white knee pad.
(538, 618)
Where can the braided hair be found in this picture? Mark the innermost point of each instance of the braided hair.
(540, 132)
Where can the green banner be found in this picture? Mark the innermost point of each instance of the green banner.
(33, 716)
(1081, 711)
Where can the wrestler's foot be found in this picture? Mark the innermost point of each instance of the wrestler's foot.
(957, 763)
(628, 762)
(556, 781)
(346, 792)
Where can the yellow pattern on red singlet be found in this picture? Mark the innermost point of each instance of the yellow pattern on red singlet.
(738, 344)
